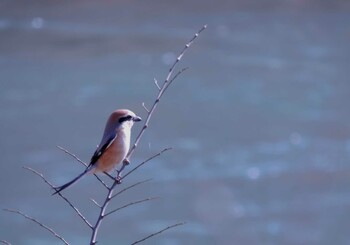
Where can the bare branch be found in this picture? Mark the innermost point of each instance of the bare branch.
(129, 204)
(96, 227)
(72, 155)
(39, 223)
(60, 194)
(157, 233)
(183, 52)
(147, 160)
(129, 187)
(161, 92)
(39, 174)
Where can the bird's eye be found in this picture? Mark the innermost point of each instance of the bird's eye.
(126, 118)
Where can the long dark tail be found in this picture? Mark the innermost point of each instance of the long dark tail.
(62, 187)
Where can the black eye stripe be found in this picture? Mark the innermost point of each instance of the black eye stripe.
(126, 118)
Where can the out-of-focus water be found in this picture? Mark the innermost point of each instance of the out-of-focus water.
(260, 123)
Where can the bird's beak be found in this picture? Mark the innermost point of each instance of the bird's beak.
(137, 119)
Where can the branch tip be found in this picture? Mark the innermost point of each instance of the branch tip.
(164, 88)
(39, 223)
(158, 232)
(144, 107)
(156, 83)
(96, 203)
(130, 204)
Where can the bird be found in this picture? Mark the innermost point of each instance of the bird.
(114, 145)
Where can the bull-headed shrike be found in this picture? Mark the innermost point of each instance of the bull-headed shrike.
(114, 145)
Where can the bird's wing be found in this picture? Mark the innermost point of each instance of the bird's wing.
(105, 143)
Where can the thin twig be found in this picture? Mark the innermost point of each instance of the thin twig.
(72, 155)
(60, 194)
(39, 174)
(129, 204)
(183, 52)
(129, 187)
(156, 83)
(39, 223)
(96, 203)
(157, 233)
(147, 160)
(176, 75)
(144, 107)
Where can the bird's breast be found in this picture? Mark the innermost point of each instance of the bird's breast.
(115, 153)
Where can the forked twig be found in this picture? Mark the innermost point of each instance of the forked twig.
(158, 232)
(109, 198)
(39, 223)
(161, 92)
(146, 161)
(60, 194)
(176, 75)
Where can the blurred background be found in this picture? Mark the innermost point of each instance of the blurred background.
(260, 123)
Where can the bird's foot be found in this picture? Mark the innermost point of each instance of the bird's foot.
(126, 161)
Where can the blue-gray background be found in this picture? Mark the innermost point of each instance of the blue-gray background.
(260, 123)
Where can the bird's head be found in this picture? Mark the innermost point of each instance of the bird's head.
(123, 119)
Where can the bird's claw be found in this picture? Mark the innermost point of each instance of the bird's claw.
(126, 161)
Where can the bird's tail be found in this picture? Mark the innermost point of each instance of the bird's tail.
(62, 187)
